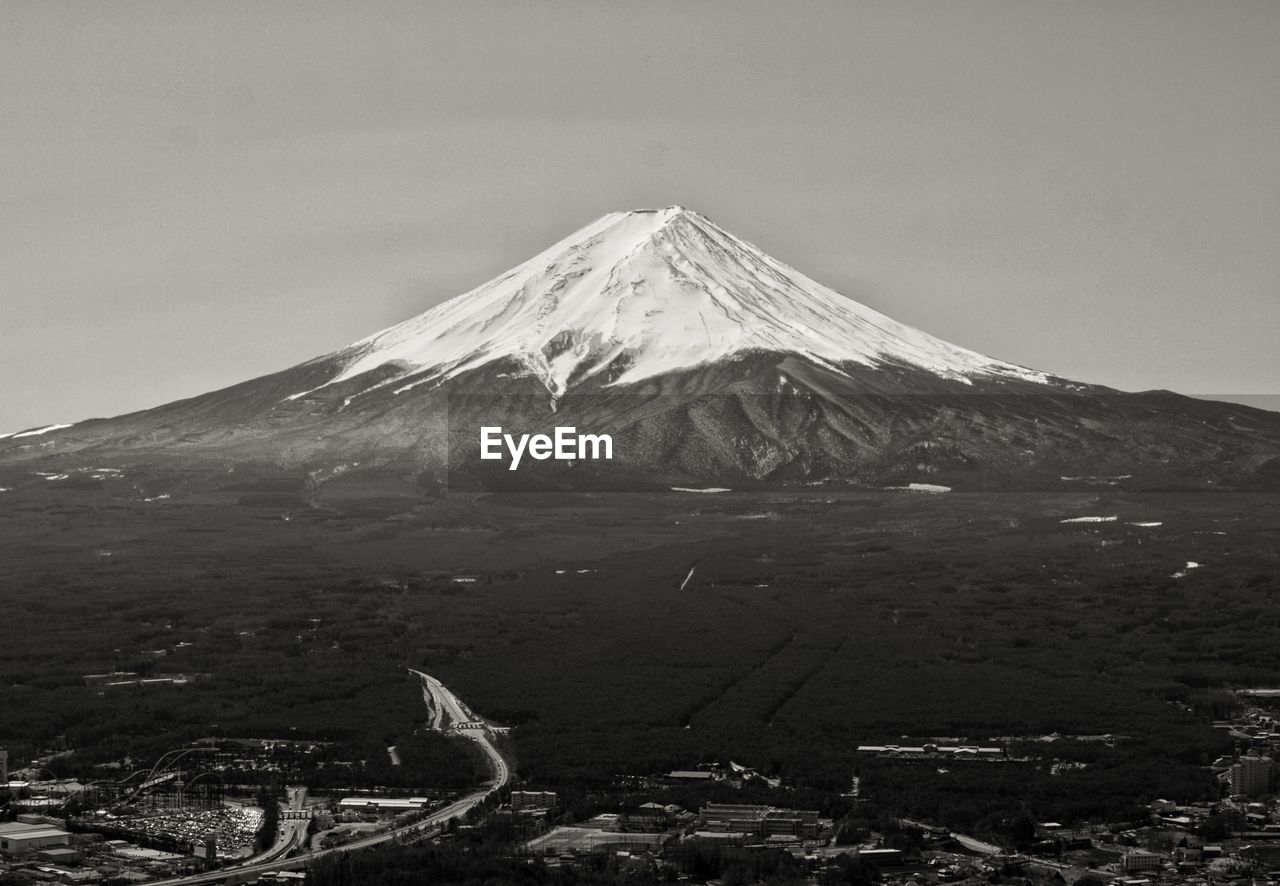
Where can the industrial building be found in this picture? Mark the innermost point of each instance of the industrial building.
(687, 775)
(383, 804)
(21, 838)
(759, 821)
(61, 856)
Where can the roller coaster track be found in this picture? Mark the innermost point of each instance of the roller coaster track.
(163, 767)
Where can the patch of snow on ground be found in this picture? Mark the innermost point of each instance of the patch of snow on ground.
(1089, 520)
(38, 431)
(1148, 524)
(1191, 564)
(708, 489)
(161, 497)
(927, 487)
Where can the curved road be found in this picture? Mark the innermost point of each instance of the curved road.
(291, 834)
(465, 725)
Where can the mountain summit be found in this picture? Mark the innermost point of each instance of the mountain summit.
(706, 361)
(644, 293)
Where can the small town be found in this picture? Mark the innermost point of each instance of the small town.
(175, 825)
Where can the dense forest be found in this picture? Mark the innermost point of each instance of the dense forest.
(625, 636)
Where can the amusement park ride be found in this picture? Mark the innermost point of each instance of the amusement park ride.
(180, 779)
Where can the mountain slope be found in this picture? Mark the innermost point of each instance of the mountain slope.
(708, 361)
(638, 294)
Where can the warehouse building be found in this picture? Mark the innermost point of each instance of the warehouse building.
(383, 804)
(20, 838)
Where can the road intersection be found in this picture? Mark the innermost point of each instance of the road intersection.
(293, 834)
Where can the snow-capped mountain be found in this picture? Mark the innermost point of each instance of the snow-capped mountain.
(640, 294)
(706, 360)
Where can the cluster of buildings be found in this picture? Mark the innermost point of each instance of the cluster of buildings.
(1193, 845)
(748, 824)
(1193, 862)
(654, 826)
(1253, 773)
(347, 818)
(39, 849)
(529, 812)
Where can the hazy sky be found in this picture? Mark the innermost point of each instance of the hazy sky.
(198, 193)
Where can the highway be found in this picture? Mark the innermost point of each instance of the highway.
(464, 725)
(291, 833)
(467, 724)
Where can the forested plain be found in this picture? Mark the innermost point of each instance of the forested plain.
(630, 634)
